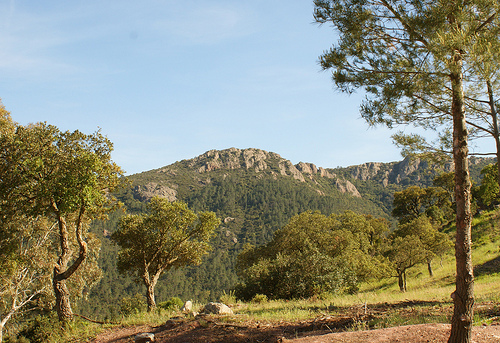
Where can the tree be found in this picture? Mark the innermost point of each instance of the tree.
(414, 201)
(169, 235)
(66, 177)
(434, 242)
(482, 81)
(25, 274)
(311, 255)
(403, 254)
(488, 193)
(403, 54)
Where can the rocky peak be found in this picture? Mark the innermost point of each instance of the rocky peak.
(260, 161)
(233, 158)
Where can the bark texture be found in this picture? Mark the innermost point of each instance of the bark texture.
(463, 297)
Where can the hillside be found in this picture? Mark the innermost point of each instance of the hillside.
(254, 192)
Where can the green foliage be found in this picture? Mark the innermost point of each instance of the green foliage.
(228, 298)
(132, 305)
(259, 299)
(174, 303)
(170, 235)
(488, 193)
(42, 329)
(414, 201)
(311, 255)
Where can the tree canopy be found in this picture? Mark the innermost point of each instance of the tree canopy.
(67, 178)
(169, 235)
(313, 254)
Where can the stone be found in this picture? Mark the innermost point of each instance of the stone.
(187, 307)
(217, 308)
(144, 337)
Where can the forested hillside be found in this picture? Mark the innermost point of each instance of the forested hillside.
(254, 193)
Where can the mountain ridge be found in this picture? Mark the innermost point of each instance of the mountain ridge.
(270, 163)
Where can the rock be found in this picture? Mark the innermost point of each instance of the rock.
(217, 308)
(188, 306)
(152, 189)
(347, 187)
(144, 337)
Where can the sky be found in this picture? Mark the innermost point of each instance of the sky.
(168, 80)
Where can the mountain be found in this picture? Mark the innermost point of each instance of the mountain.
(254, 192)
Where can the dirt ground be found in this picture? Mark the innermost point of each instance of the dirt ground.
(324, 329)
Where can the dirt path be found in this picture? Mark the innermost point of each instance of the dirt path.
(209, 330)
(424, 333)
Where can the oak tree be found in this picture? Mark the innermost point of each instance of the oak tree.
(66, 177)
(169, 236)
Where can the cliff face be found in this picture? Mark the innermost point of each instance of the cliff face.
(390, 173)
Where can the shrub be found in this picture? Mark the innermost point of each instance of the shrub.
(132, 305)
(228, 298)
(41, 329)
(173, 303)
(259, 298)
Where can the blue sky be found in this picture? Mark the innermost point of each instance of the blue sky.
(170, 80)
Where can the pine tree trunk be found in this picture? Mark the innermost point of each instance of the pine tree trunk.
(463, 297)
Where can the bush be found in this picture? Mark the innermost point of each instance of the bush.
(132, 305)
(259, 298)
(228, 298)
(41, 329)
(173, 303)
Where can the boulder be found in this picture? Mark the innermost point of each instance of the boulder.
(217, 308)
(187, 307)
(144, 337)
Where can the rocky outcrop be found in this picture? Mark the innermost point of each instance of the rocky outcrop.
(261, 162)
(347, 187)
(365, 171)
(387, 173)
(151, 189)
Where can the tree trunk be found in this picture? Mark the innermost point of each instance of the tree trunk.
(463, 297)
(61, 292)
(150, 283)
(429, 268)
(61, 271)
(494, 121)
(401, 281)
(150, 296)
